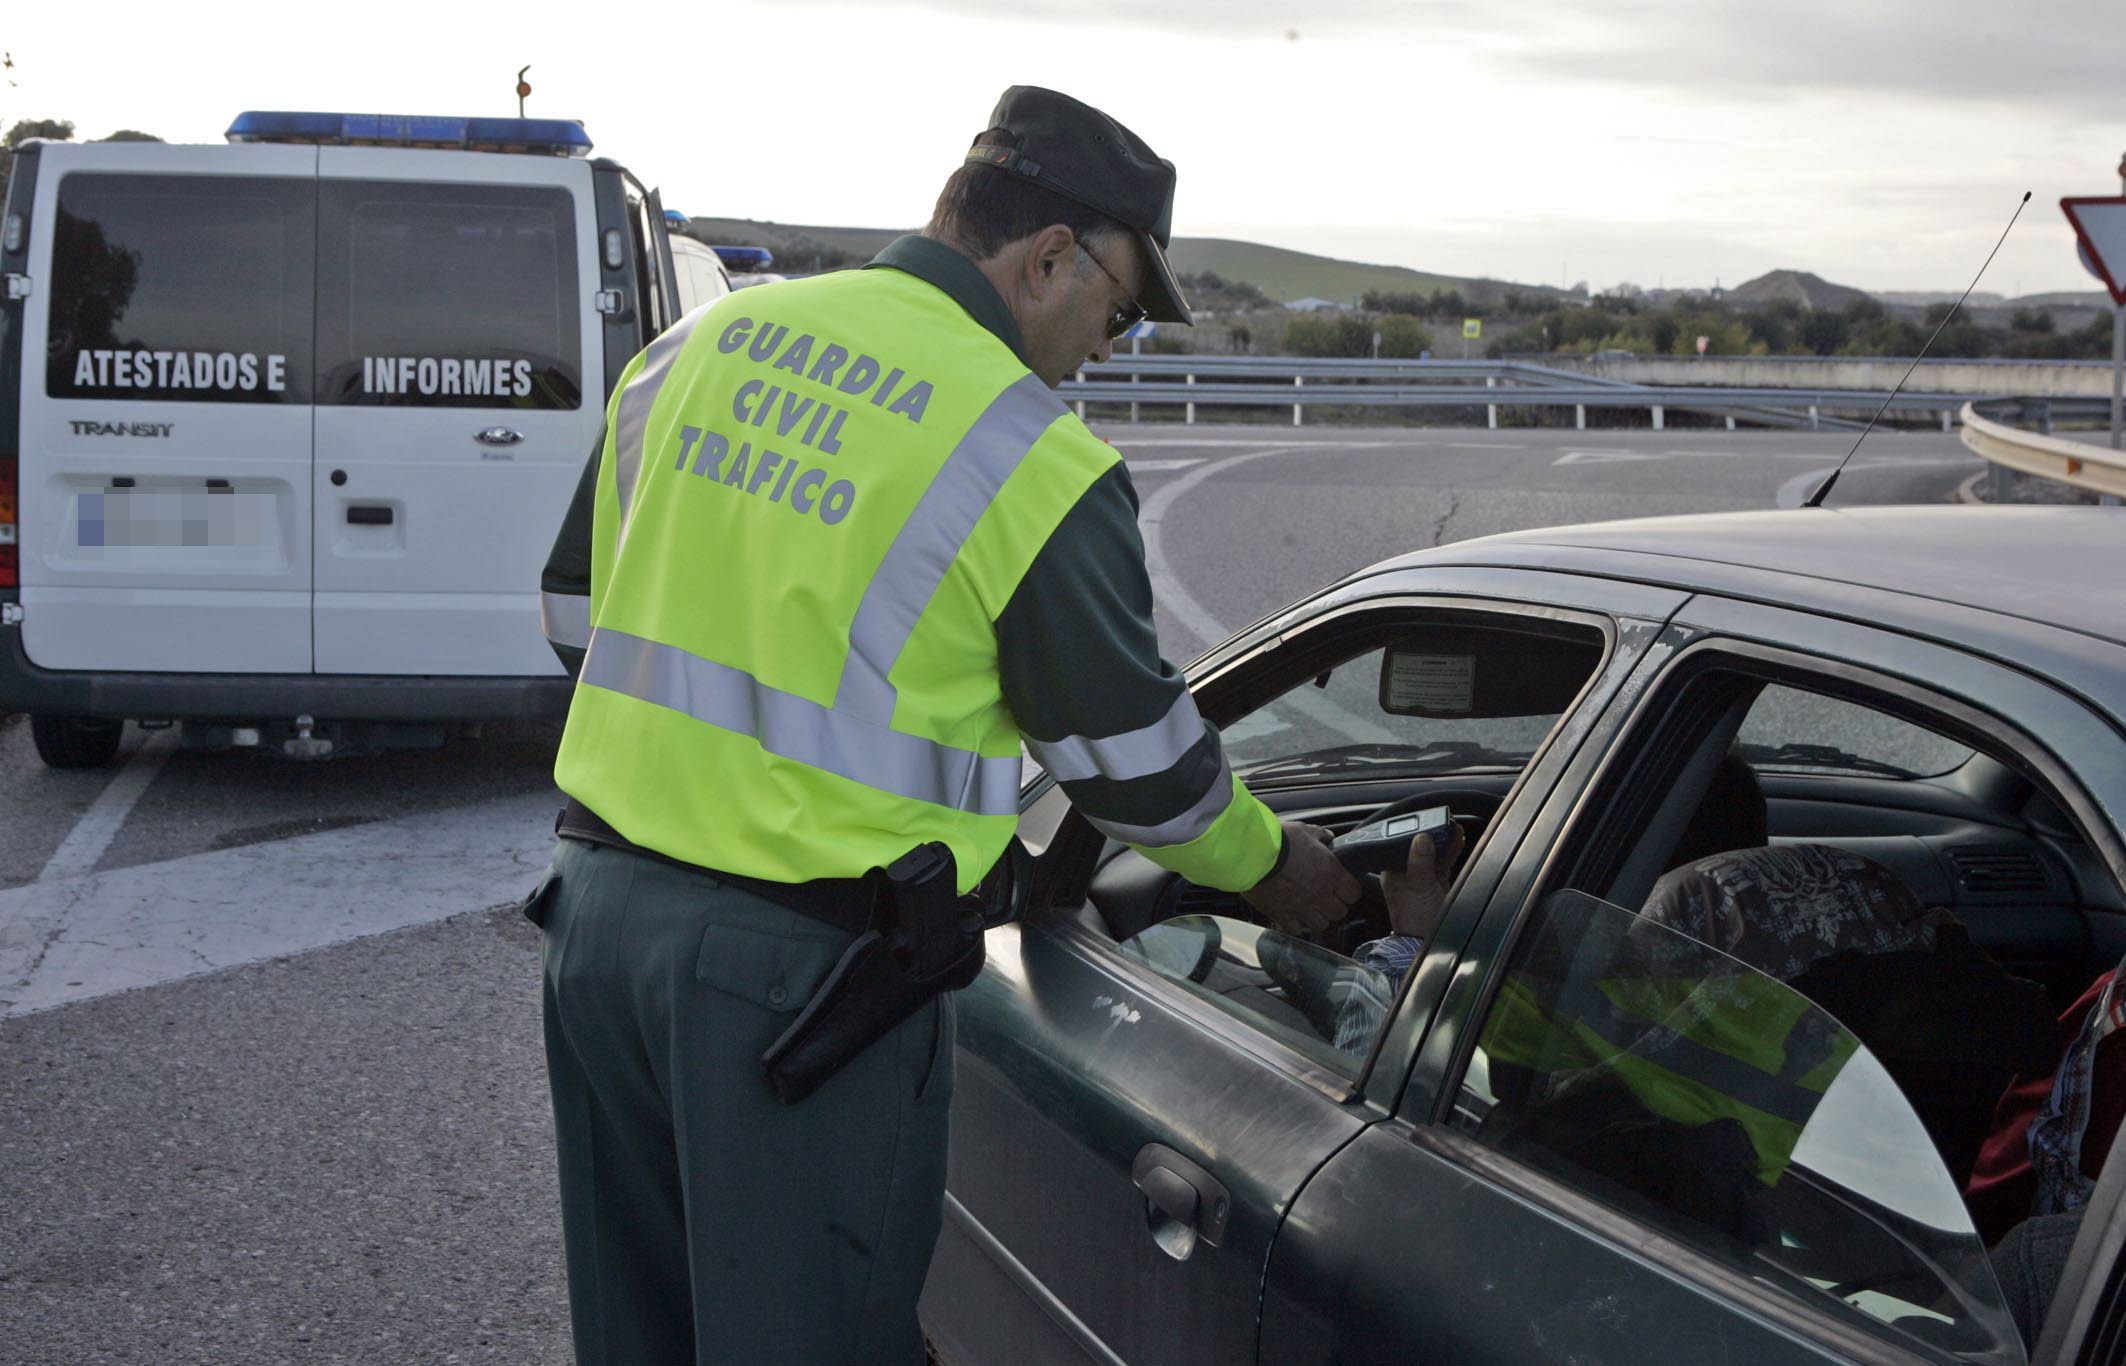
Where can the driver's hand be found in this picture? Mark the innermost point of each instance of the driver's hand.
(1312, 891)
(1418, 895)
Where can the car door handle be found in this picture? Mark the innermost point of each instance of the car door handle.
(358, 515)
(1183, 1203)
(1170, 1193)
(498, 436)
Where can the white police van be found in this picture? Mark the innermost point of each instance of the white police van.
(287, 426)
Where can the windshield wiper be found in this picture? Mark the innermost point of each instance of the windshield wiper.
(1445, 753)
(1822, 756)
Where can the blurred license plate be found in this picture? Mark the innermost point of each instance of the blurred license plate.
(172, 518)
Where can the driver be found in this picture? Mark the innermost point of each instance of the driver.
(1347, 999)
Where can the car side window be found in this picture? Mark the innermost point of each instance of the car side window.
(1435, 696)
(1406, 702)
(1675, 1084)
(1309, 998)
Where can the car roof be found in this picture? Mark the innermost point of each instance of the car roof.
(2063, 567)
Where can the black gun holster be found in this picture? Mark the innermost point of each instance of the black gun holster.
(923, 940)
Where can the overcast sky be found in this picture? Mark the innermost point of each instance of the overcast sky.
(1879, 143)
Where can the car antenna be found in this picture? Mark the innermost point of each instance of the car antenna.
(1823, 489)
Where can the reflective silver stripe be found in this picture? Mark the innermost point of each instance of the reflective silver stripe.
(801, 729)
(1134, 754)
(566, 618)
(631, 419)
(930, 540)
(1190, 824)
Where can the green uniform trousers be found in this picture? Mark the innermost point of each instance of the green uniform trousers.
(705, 1221)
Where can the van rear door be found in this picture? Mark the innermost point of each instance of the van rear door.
(457, 333)
(166, 429)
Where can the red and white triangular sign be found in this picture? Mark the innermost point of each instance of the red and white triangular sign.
(2100, 223)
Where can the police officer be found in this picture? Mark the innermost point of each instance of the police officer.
(847, 550)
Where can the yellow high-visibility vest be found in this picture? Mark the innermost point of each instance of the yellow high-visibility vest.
(814, 501)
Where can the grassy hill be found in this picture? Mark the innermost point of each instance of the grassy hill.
(793, 244)
(1285, 274)
(1277, 271)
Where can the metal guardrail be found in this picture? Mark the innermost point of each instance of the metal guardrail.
(1988, 432)
(1926, 364)
(1237, 381)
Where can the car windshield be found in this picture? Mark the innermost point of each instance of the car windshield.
(1337, 724)
(1386, 759)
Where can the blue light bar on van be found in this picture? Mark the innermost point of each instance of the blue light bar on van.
(673, 218)
(749, 260)
(542, 137)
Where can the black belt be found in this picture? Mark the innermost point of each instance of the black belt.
(843, 902)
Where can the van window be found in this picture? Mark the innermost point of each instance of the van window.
(185, 288)
(448, 296)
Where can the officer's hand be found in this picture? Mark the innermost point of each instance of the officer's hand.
(1312, 891)
(1418, 895)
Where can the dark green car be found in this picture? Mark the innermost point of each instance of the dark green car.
(1604, 1115)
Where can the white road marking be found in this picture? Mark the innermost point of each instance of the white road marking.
(1132, 443)
(92, 834)
(1479, 446)
(1624, 455)
(76, 937)
(1168, 590)
(1604, 457)
(1150, 466)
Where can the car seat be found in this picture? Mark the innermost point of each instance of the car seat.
(1949, 1024)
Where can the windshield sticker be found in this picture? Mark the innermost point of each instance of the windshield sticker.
(1431, 683)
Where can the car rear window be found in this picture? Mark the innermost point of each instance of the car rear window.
(182, 288)
(448, 296)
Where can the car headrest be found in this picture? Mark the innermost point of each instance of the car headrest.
(1781, 908)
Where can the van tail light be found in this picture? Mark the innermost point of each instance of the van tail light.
(10, 560)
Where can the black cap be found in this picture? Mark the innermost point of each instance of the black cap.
(1080, 153)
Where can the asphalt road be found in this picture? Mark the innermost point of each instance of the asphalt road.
(342, 1153)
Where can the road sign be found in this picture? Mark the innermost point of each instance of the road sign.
(2100, 225)
(1472, 328)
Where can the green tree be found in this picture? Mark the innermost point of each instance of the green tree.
(1402, 336)
(1822, 333)
(58, 130)
(1379, 301)
(1724, 336)
(1884, 336)
(1211, 290)
(1313, 335)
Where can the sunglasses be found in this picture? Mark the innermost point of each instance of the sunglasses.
(1129, 314)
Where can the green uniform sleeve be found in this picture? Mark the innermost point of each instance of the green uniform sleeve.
(1112, 720)
(565, 584)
